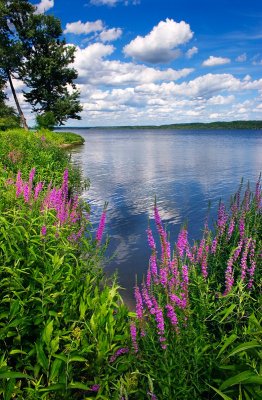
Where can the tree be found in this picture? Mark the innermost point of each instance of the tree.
(47, 71)
(8, 116)
(13, 14)
(32, 50)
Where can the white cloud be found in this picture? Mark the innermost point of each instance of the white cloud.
(242, 57)
(112, 3)
(211, 61)
(110, 34)
(79, 28)
(104, 2)
(94, 70)
(221, 100)
(43, 6)
(191, 52)
(160, 45)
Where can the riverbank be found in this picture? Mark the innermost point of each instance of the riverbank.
(55, 303)
(64, 330)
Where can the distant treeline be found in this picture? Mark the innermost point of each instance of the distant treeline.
(193, 125)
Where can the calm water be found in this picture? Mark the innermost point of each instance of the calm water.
(185, 170)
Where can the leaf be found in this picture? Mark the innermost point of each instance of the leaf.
(55, 367)
(41, 357)
(48, 332)
(14, 375)
(230, 340)
(227, 312)
(53, 388)
(9, 389)
(17, 352)
(235, 380)
(78, 385)
(224, 396)
(243, 347)
(77, 358)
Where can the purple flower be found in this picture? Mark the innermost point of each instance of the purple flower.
(243, 262)
(118, 353)
(153, 264)
(38, 189)
(172, 316)
(101, 227)
(152, 396)
(43, 230)
(242, 227)
(133, 336)
(222, 218)
(182, 242)
(230, 228)
(31, 176)
(139, 303)
(19, 184)
(214, 245)
(26, 192)
(150, 239)
(95, 388)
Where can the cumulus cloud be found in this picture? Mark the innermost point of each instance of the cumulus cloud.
(43, 6)
(242, 57)
(160, 45)
(80, 28)
(191, 52)
(212, 61)
(95, 70)
(108, 35)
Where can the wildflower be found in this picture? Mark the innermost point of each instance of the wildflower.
(95, 388)
(43, 230)
(133, 336)
(101, 226)
(243, 262)
(19, 184)
(139, 303)
(153, 264)
(150, 239)
(172, 316)
(229, 277)
(182, 242)
(242, 227)
(230, 228)
(118, 353)
(26, 192)
(31, 176)
(160, 323)
(222, 218)
(38, 189)
(152, 395)
(214, 245)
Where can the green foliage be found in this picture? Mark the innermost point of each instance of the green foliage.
(32, 50)
(60, 320)
(46, 120)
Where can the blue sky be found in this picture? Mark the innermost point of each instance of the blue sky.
(168, 61)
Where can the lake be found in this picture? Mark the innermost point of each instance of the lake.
(187, 171)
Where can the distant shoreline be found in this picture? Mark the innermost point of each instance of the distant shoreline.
(254, 125)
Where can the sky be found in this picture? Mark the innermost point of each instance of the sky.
(150, 62)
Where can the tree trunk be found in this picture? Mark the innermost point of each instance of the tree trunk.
(22, 117)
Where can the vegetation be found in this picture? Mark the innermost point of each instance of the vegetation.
(33, 51)
(200, 125)
(64, 330)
